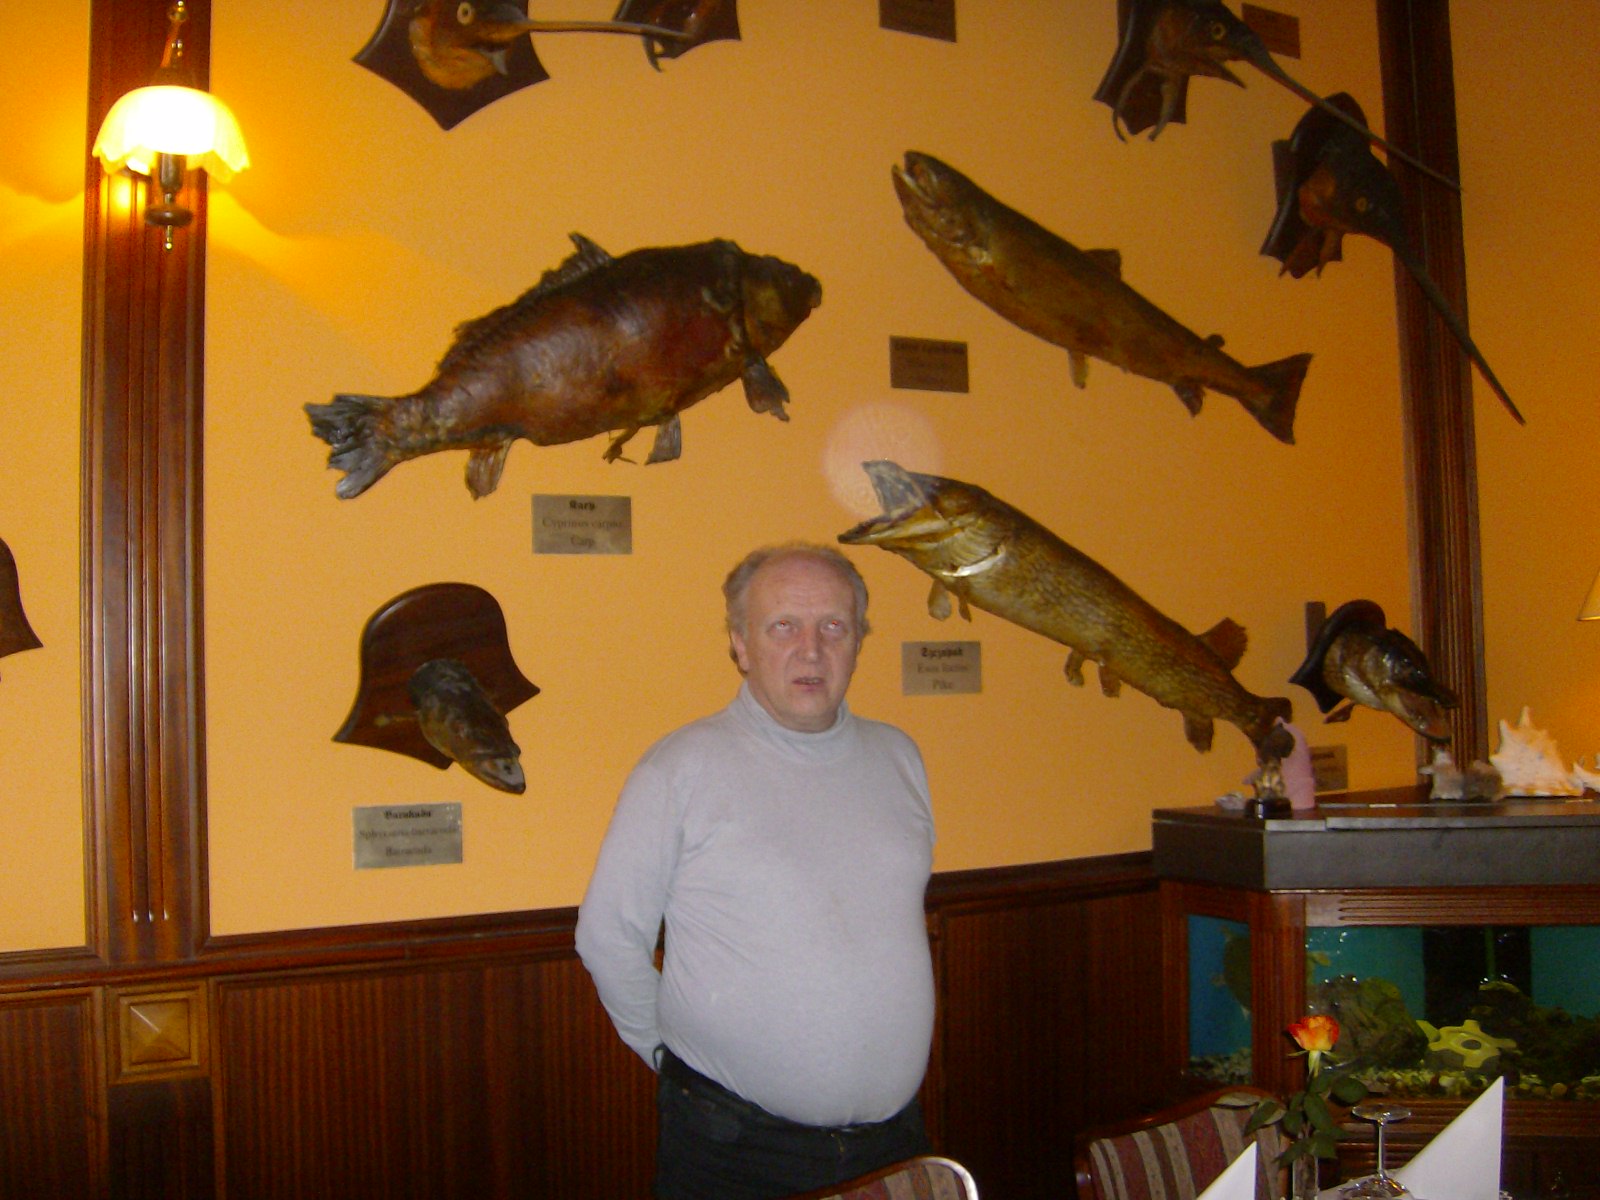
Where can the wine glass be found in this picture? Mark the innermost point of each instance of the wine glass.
(1382, 1185)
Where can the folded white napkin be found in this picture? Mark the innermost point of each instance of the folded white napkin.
(1463, 1161)
(1237, 1182)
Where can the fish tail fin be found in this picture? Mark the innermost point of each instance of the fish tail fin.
(1282, 380)
(1269, 740)
(355, 429)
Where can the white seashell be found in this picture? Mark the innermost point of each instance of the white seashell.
(1529, 763)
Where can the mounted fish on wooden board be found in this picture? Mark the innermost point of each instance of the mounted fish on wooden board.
(1076, 299)
(437, 679)
(991, 556)
(1329, 184)
(598, 345)
(1162, 43)
(1355, 657)
(16, 635)
(454, 57)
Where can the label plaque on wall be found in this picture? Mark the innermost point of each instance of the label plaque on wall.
(583, 524)
(926, 18)
(927, 364)
(940, 668)
(407, 835)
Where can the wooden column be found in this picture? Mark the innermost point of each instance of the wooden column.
(143, 683)
(1436, 385)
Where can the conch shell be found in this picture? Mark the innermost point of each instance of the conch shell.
(1529, 762)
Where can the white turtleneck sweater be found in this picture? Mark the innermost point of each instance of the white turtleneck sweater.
(790, 868)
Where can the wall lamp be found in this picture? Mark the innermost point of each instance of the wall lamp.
(168, 128)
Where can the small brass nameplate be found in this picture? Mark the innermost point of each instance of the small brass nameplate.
(940, 668)
(407, 835)
(927, 364)
(583, 524)
(925, 18)
(1279, 32)
(1330, 768)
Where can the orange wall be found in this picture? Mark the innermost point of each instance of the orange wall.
(1525, 112)
(41, 290)
(363, 234)
(344, 258)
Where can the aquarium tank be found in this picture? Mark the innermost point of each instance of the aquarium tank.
(1422, 1010)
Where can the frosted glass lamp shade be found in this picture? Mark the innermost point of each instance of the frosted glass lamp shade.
(165, 119)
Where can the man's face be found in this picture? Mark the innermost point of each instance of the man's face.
(799, 642)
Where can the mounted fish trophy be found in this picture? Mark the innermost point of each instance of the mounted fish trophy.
(1329, 184)
(454, 57)
(1355, 657)
(597, 345)
(1162, 43)
(16, 634)
(1076, 299)
(437, 679)
(988, 555)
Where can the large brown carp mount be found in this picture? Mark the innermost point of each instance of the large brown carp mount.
(1162, 43)
(989, 555)
(454, 58)
(1355, 657)
(16, 634)
(1076, 299)
(437, 679)
(598, 345)
(1329, 183)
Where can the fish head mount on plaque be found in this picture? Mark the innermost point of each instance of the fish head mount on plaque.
(437, 679)
(1356, 657)
(1329, 183)
(1162, 43)
(1077, 300)
(599, 344)
(989, 555)
(16, 634)
(454, 57)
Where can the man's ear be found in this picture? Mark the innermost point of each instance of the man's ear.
(737, 652)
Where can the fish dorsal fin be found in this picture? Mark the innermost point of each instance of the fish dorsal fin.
(1215, 341)
(586, 258)
(1227, 641)
(1109, 261)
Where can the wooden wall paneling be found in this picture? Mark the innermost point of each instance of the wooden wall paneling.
(52, 1097)
(160, 1135)
(1031, 1047)
(142, 357)
(1436, 385)
(469, 1081)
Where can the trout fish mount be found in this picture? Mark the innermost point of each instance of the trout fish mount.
(988, 555)
(437, 679)
(1356, 658)
(1076, 299)
(1161, 44)
(16, 635)
(1329, 183)
(598, 345)
(454, 57)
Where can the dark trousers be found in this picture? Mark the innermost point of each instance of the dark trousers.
(714, 1145)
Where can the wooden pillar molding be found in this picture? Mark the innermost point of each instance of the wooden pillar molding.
(1436, 385)
(143, 341)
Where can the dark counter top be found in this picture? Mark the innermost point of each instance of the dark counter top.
(1392, 838)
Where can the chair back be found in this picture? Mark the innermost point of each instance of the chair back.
(1176, 1153)
(927, 1177)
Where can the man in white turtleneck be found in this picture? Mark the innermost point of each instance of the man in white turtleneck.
(787, 844)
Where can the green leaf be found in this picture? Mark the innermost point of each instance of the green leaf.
(1267, 1112)
(1349, 1090)
(1317, 1113)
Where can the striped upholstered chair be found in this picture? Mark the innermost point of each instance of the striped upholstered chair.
(1176, 1153)
(926, 1178)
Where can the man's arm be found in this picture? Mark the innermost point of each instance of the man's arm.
(619, 920)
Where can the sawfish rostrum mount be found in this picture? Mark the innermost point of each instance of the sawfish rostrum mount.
(988, 555)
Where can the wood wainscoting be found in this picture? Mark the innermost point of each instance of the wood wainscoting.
(470, 1058)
